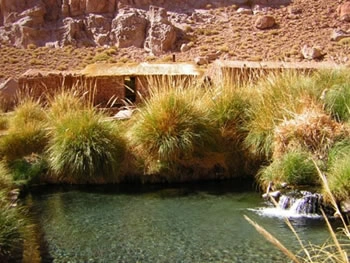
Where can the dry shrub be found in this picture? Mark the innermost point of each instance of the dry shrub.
(312, 130)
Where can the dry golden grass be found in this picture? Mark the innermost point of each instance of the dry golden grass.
(312, 130)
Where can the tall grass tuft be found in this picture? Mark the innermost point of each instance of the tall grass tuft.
(10, 232)
(5, 177)
(277, 96)
(325, 79)
(312, 130)
(26, 132)
(339, 178)
(228, 106)
(172, 129)
(337, 101)
(11, 221)
(66, 101)
(84, 147)
(295, 168)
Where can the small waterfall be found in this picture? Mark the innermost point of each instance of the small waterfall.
(296, 204)
(308, 204)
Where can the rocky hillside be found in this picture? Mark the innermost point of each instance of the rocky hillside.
(141, 30)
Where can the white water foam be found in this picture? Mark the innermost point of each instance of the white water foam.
(281, 213)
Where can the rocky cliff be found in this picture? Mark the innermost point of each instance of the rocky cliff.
(123, 23)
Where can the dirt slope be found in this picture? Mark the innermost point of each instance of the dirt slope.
(209, 30)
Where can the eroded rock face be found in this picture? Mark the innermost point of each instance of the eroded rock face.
(129, 29)
(100, 28)
(122, 23)
(161, 34)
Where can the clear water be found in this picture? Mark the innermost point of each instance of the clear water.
(188, 223)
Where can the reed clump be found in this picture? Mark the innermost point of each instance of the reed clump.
(295, 167)
(228, 108)
(312, 129)
(26, 131)
(338, 174)
(277, 96)
(171, 130)
(11, 219)
(83, 147)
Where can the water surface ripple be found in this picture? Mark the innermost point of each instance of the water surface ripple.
(162, 224)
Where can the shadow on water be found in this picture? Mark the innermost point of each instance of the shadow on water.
(175, 189)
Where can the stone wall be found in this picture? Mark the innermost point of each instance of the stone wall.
(99, 90)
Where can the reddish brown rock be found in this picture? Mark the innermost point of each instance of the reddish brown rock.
(162, 34)
(265, 22)
(129, 29)
(344, 11)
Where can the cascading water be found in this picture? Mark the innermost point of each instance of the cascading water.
(296, 204)
(307, 204)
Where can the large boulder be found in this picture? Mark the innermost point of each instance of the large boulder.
(162, 34)
(129, 29)
(344, 11)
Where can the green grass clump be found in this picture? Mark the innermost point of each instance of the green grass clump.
(277, 96)
(26, 132)
(10, 232)
(27, 112)
(11, 221)
(171, 129)
(65, 102)
(337, 101)
(84, 147)
(27, 171)
(228, 108)
(229, 111)
(339, 178)
(339, 150)
(338, 174)
(6, 181)
(326, 79)
(25, 141)
(295, 168)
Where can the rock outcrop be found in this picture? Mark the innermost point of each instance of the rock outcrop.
(129, 28)
(123, 23)
(85, 23)
(161, 34)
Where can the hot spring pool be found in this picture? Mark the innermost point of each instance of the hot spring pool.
(183, 223)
